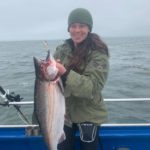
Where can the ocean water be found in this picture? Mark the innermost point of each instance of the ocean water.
(129, 77)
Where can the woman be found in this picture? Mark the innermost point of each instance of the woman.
(83, 64)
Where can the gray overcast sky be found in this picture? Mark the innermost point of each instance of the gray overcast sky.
(47, 19)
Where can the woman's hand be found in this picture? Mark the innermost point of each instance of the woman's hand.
(60, 67)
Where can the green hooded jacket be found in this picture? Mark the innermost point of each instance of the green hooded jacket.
(84, 101)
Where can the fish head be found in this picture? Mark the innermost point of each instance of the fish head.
(45, 70)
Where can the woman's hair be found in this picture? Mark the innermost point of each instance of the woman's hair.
(85, 48)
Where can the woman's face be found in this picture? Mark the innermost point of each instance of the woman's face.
(78, 32)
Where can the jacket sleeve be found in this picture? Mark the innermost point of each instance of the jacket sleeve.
(90, 84)
(57, 53)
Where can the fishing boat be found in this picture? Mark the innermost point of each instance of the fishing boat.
(111, 136)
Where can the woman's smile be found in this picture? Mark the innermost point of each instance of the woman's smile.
(78, 32)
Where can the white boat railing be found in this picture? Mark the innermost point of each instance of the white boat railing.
(107, 100)
(126, 99)
(102, 125)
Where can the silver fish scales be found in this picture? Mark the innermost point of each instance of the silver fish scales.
(49, 102)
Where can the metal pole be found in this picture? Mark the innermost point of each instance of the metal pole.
(107, 100)
(127, 99)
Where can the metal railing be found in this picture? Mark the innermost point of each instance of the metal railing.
(15, 100)
(106, 100)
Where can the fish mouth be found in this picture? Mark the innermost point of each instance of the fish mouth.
(41, 66)
(37, 62)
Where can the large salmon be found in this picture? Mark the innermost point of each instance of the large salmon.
(49, 102)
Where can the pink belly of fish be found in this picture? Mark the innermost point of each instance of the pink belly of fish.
(50, 106)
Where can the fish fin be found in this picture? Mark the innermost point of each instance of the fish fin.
(62, 138)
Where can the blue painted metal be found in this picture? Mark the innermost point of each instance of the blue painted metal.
(131, 137)
(16, 139)
(111, 138)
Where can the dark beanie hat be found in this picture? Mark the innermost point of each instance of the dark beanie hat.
(80, 15)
